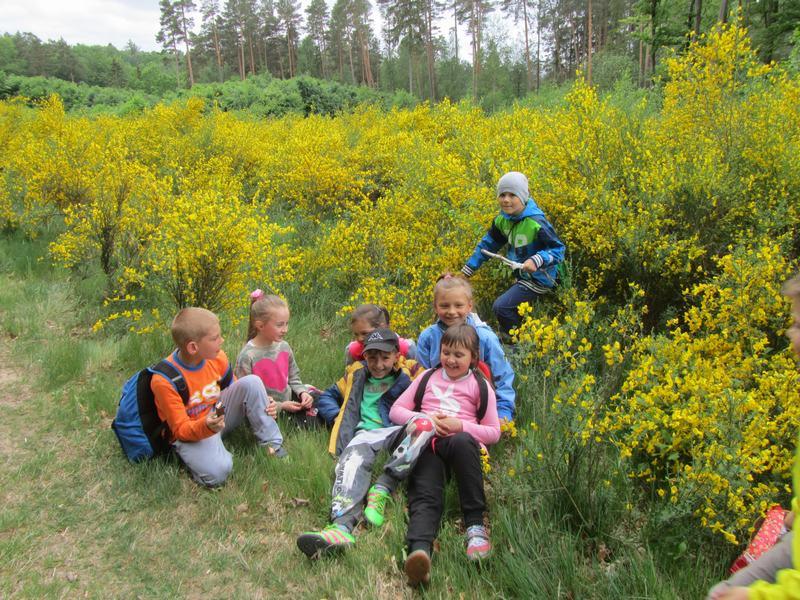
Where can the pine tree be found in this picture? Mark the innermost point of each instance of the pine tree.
(474, 14)
(317, 26)
(210, 12)
(183, 14)
(289, 22)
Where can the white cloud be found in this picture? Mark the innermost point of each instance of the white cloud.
(84, 21)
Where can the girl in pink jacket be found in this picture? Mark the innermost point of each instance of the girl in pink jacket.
(462, 406)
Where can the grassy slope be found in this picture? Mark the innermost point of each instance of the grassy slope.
(78, 520)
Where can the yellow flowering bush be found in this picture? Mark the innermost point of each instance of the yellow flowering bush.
(708, 413)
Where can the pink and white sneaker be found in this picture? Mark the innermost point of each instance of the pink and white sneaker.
(478, 544)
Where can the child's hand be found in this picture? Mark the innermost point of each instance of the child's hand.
(788, 521)
(529, 266)
(735, 593)
(291, 406)
(272, 408)
(446, 425)
(214, 421)
(306, 400)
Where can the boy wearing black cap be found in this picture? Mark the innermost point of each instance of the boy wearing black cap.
(531, 241)
(357, 409)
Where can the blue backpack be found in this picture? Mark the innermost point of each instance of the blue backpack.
(140, 431)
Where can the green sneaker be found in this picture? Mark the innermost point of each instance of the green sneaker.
(331, 539)
(376, 504)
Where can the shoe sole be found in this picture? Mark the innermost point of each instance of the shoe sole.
(313, 546)
(418, 568)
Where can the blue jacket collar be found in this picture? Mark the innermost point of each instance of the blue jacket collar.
(531, 210)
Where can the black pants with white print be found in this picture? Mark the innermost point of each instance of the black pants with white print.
(458, 454)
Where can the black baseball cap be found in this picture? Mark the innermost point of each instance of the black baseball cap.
(382, 339)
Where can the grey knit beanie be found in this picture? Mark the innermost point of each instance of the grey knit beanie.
(514, 182)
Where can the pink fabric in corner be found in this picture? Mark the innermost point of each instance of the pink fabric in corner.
(274, 374)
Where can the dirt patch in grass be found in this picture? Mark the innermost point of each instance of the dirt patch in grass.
(13, 392)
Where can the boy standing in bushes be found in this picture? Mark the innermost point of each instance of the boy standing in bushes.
(196, 428)
(776, 574)
(531, 241)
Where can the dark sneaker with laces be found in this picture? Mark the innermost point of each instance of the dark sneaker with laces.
(331, 539)
(376, 504)
(478, 544)
(418, 568)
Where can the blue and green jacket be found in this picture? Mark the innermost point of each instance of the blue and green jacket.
(528, 235)
(340, 404)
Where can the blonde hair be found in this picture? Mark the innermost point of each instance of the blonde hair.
(447, 282)
(191, 325)
(463, 336)
(376, 316)
(791, 289)
(261, 309)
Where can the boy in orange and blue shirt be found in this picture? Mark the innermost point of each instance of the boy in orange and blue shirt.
(196, 428)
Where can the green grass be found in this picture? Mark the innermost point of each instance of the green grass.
(78, 520)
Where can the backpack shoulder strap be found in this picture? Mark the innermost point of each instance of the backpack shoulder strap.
(483, 386)
(423, 384)
(227, 379)
(168, 370)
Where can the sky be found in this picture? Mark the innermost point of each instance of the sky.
(107, 21)
(84, 21)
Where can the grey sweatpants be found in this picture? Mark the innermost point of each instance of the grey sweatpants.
(208, 461)
(354, 468)
(765, 568)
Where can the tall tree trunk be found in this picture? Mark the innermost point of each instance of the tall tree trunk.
(455, 26)
(186, 42)
(698, 15)
(289, 53)
(641, 55)
(557, 57)
(723, 11)
(218, 52)
(177, 61)
(476, 50)
(410, 68)
(240, 58)
(527, 45)
(573, 58)
(651, 62)
(538, 44)
(429, 49)
(589, 45)
(252, 56)
(366, 67)
(352, 67)
(322, 54)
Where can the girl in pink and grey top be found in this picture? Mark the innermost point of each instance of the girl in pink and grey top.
(452, 400)
(268, 355)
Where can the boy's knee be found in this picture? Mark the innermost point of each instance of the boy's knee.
(252, 385)
(498, 306)
(504, 310)
(217, 471)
